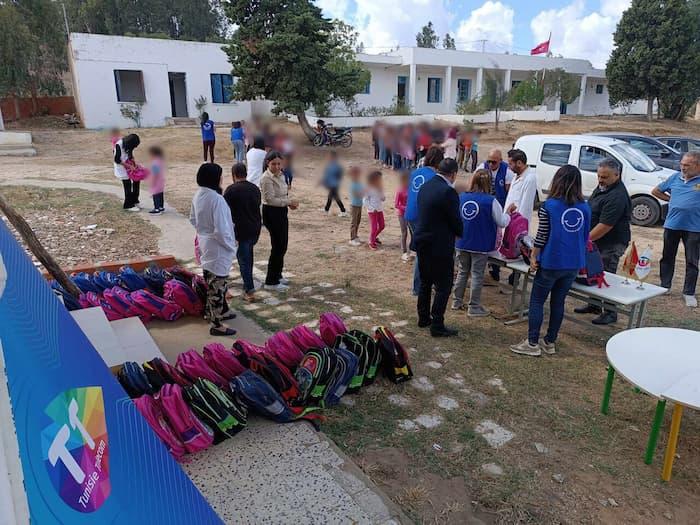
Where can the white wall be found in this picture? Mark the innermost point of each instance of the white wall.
(95, 57)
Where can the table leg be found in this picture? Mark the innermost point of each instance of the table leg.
(514, 291)
(640, 317)
(672, 442)
(655, 427)
(632, 317)
(608, 389)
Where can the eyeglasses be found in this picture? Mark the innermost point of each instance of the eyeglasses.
(492, 162)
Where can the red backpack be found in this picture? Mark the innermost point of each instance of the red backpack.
(194, 366)
(394, 356)
(594, 272)
(153, 414)
(194, 434)
(244, 351)
(184, 296)
(222, 361)
(282, 346)
(330, 326)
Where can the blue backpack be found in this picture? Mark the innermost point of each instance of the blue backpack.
(259, 395)
(84, 281)
(134, 380)
(105, 280)
(346, 369)
(130, 280)
(70, 302)
(156, 277)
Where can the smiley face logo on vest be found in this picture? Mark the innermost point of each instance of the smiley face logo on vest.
(470, 210)
(572, 220)
(418, 181)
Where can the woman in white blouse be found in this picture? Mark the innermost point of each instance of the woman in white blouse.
(211, 218)
(255, 159)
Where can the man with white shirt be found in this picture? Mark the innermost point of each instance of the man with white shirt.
(523, 188)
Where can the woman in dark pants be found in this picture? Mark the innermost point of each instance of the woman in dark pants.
(123, 151)
(276, 201)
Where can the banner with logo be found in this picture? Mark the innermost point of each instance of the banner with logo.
(87, 454)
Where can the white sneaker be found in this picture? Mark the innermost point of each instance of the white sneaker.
(690, 301)
(133, 208)
(548, 348)
(284, 281)
(405, 257)
(355, 242)
(525, 348)
(343, 214)
(277, 287)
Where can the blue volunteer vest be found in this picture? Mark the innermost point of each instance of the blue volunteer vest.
(418, 177)
(500, 182)
(568, 234)
(479, 227)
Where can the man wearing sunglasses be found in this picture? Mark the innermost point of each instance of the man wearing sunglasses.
(501, 178)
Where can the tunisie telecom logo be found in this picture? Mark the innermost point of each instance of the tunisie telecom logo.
(76, 450)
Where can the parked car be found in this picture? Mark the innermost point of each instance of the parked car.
(682, 144)
(547, 153)
(662, 154)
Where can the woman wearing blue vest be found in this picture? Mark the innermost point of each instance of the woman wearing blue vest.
(481, 215)
(558, 254)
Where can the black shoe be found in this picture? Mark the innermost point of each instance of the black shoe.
(424, 323)
(588, 309)
(228, 317)
(443, 331)
(222, 331)
(605, 318)
(495, 274)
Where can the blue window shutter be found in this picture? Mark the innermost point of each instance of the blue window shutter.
(226, 85)
(216, 91)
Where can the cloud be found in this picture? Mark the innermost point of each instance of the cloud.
(577, 34)
(493, 21)
(334, 8)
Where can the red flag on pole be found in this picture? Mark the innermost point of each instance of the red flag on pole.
(543, 48)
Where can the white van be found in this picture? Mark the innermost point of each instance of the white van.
(546, 153)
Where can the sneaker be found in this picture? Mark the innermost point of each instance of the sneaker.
(161, 209)
(379, 242)
(133, 208)
(405, 257)
(690, 301)
(525, 348)
(284, 281)
(605, 318)
(355, 242)
(443, 331)
(343, 214)
(373, 247)
(277, 287)
(155, 211)
(548, 348)
(457, 307)
(478, 311)
(588, 309)
(249, 297)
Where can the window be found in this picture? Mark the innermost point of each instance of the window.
(129, 85)
(434, 89)
(365, 88)
(649, 148)
(221, 85)
(515, 83)
(590, 157)
(401, 87)
(693, 146)
(599, 89)
(555, 154)
(463, 85)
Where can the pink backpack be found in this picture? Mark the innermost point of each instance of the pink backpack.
(194, 366)
(117, 302)
(152, 413)
(282, 346)
(83, 300)
(222, 360)
(135, 171)
(194, 434)
(156, 306)
(331, 325)
(306, 338)
(123, 298)
(184, 296)
(513, 234)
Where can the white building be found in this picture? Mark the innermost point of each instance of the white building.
(168, 75)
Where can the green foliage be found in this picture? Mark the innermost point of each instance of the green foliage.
(133, 112)
(427, 37)
(657, 55)
(200, 103)
(397, 107)
(474, 106)
(286, 52)
(561, 85)
(527, 94)
(16, 52)
(448, 42)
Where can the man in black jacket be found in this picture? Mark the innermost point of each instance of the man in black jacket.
(437, 227)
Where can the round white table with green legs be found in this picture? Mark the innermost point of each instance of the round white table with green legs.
(661, 362)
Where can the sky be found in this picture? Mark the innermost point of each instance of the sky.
(580, 28)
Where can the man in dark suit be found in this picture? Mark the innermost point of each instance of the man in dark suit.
(438, 226)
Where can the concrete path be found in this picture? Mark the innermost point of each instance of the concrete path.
(176, 232)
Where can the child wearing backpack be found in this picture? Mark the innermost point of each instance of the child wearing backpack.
(208, 136)
(400, 201)
(357, 193)
(157, 179)
(481, 216)
(374, 200)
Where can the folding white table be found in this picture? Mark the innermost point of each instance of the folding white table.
(664, 363)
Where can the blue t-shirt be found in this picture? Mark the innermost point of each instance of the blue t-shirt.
(332, 175)
(357, 190)
(684, 206)
(208, 130)
(418, 177)
(568, 235)
(237, 134)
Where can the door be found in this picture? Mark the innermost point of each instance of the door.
(588, 160)
(660, 154)
(553, 156)
(178, 94)
(562, 108)
(401, 82)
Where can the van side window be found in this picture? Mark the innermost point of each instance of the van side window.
(591, 156)
(555, 154)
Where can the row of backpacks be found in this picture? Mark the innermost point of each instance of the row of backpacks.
(205, 398)
(158, 293)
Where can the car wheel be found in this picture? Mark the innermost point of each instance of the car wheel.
(645, 211)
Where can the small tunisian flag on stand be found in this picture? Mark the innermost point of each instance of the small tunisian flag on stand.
(543, 48)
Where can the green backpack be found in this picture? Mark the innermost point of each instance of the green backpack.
(315, 375)
(354, 345)
(226, 414)
(372, 353)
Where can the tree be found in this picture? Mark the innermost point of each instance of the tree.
(427, 37)
(17, 45)
(495, 97)
(655, 55)
(559, 84)
(448, 42)
(287, 52)
(527, 94)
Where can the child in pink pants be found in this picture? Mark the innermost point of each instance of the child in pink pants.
(374, 201)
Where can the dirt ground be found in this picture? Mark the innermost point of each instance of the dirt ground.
(566, 463)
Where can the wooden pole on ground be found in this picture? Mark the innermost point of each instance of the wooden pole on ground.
(36, 247)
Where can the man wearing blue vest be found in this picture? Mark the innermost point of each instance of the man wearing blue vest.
(501, 177)
(420, 176)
